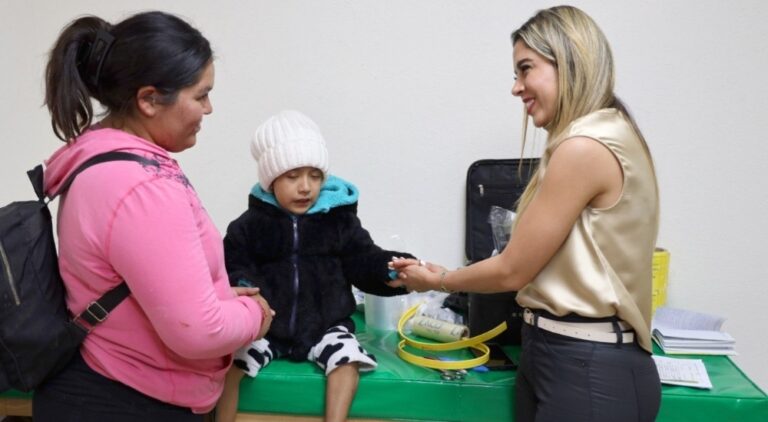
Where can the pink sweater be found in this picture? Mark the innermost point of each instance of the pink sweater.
(172, 338)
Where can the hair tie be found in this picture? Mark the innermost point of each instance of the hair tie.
(96, 55)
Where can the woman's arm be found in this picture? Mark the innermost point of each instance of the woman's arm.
(582, 172)
(155, 244)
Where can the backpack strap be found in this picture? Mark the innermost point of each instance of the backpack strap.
(36, 177)
(98, 159)
(98, 310)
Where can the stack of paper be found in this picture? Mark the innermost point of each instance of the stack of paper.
(685, 372)
(678, 331)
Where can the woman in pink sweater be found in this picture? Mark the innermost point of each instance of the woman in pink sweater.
(161, 355)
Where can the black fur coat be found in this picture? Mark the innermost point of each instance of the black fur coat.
(305, 274)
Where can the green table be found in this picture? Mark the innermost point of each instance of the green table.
(398, 390)
(733, 397)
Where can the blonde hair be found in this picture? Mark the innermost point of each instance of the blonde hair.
(578, 49)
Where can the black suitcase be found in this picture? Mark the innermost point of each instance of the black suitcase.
(490, 182)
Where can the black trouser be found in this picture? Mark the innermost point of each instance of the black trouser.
(80, 394)
(565, 379)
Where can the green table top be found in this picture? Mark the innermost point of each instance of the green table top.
(398, 390)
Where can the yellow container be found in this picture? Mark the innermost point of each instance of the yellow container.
(660, 271)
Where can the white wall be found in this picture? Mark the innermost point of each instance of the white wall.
(409, 93)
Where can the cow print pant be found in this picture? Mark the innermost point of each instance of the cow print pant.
(337, 347)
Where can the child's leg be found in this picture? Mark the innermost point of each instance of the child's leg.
(248, 360)
(340, 389)
(340, 355)
(254, 357)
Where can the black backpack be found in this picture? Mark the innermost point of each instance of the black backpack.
(37, 336)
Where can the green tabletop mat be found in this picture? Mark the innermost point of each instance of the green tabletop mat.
(398, 390)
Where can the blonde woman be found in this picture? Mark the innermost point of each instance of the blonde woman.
(580, 252)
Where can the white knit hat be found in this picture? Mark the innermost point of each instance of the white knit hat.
(286, 141)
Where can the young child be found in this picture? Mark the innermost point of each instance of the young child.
(301, 243)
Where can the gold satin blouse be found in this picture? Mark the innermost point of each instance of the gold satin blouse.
(604, 266)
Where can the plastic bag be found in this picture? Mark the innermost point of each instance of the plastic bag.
(501, 220)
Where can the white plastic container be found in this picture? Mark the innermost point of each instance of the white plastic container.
(383, 313)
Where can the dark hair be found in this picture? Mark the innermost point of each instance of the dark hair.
(149, 49)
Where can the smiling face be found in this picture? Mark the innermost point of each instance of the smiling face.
(297, 190)
(175, 125)
(535, 83)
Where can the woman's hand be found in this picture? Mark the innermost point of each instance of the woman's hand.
(245, 291)
(267, 315)
(416, 275)
(267, 312)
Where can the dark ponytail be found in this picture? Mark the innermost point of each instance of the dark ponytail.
(148, 49)
(66, 94)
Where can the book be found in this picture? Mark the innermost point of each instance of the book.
(679, 331)
(685, 372)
